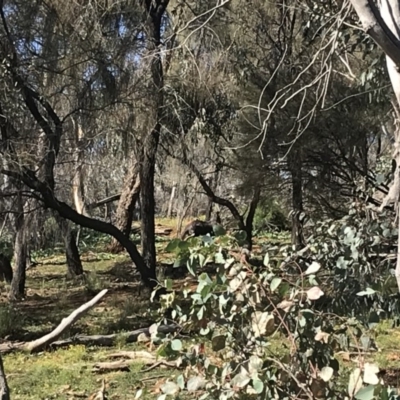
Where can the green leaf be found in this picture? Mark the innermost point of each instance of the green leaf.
(195, 383)
(366, 393)
(314, 293)
(275, 283)
(240, 236)
(355, 382)
(341, 263)
(366, 292)
(266, 259)
(205, 278)
(371, 372)
(170, 388)
(313, 268)
(192, 264)
(181, 381)
(176, 345)
(207, 239)
(240, 380)
(168, 284)
(219, 258)
(218, 342)
(173, 245)
(185, 244)
(219, 230)
(178, 262)
(201, 260)
(326, 374)
(258, 386)
(284, 289)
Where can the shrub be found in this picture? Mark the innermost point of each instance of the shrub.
(236, 312)
(270, 216)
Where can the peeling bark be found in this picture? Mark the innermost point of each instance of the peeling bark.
(78, 176)
(384, 27)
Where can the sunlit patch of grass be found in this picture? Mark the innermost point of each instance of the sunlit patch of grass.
(67, 373)
(388, 341)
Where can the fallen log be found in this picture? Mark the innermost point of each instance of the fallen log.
(134, 357)
(110, 340)
(93, 340)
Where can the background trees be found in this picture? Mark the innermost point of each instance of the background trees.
(277, 115)
(252, 101)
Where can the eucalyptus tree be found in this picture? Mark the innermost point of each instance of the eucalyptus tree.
(382, 24)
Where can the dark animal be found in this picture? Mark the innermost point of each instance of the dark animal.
(6, 272)
(197, 228)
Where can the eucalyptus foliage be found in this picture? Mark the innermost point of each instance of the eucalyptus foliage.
(273, 330)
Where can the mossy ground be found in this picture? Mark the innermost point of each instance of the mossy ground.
(67, 373)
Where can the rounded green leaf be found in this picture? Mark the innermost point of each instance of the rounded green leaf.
(258, 386)
(176, 345)
(275, 283)
(219, 230)
(366, 393)
(218, 342)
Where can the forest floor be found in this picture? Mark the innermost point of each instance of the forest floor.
(68, 373)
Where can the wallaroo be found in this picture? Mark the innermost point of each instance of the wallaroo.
(6, 272)
(201, 228)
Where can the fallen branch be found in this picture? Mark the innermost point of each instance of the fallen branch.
(101, 393)
(47, 340)
(110, 340)
(44, 341)
(133, 357)
(93, 340)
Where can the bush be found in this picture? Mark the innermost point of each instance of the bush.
(270, 216)
(237, 311)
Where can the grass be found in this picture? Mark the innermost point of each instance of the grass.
(68, 373)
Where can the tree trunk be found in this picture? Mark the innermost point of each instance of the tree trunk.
(209, 208)
(78, 177)
(147, 201)
(17, 290)
(107, 207)
(250, 216)
(74, 263)
(297, 201)
(171, 200)
(155, 11)
(126, 205)
(387, 37)
(147, 275)
(4, 391)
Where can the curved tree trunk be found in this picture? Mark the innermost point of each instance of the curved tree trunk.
(126, 205)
